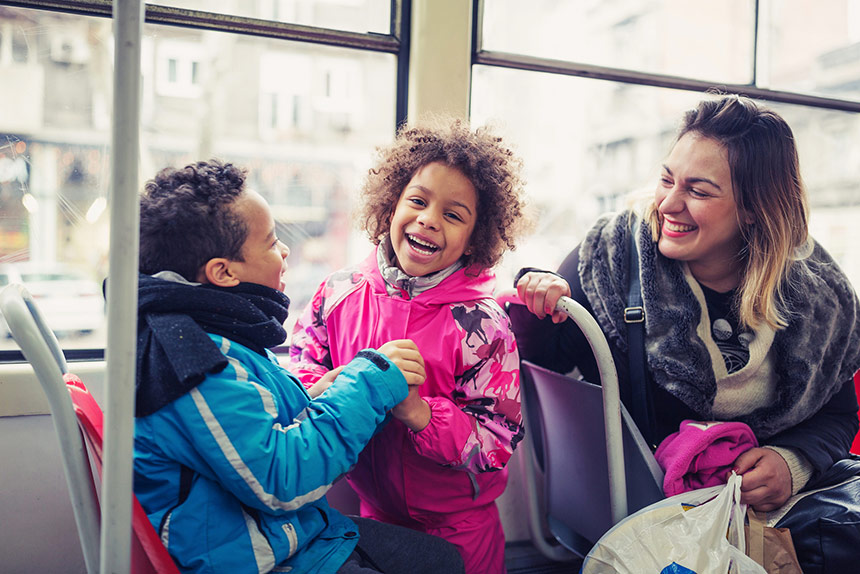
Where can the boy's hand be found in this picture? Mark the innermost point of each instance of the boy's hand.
(404, 353)
(541, 291)
(325, 382)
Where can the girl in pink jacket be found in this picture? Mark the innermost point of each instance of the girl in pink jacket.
(442, 205)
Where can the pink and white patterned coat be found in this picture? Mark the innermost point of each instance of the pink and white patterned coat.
(457, 463)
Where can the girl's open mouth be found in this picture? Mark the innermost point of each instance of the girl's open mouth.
(421, 246)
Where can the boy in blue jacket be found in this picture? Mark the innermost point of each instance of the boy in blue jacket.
(232, 458)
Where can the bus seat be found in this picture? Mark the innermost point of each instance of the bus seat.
(855, 448)
(576, 455)
(71, 418)
(565, 415)
(532, 464)
(148, 554)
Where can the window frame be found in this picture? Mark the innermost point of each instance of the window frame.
(480, 56)
(396, 42)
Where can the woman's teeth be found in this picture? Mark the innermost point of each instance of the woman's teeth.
(679, 227)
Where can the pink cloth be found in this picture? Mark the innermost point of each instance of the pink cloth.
(445, 478)
(702, 454)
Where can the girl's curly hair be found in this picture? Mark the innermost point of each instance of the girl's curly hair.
(480, 155)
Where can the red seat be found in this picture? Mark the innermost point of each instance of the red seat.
(148, 554)
(855, 448)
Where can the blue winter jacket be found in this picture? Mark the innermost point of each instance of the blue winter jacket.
(233, 474)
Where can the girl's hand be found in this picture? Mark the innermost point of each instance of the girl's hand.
(404, 353)
(767, 481)
(325, 382)
(413, 411)
(541, 291)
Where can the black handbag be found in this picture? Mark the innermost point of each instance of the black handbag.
(825, 524)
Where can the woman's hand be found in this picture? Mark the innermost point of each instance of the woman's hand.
(766, 481)
(325, 382)
(541, 291)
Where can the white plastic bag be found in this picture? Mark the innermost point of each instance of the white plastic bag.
(664, 538)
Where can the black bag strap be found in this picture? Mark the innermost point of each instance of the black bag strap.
(634, 317)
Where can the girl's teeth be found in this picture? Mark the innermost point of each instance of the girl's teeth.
(430, 248)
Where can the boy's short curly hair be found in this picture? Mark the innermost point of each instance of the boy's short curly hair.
(187, 218)
(480, 155)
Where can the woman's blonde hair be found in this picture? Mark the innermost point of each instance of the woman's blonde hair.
(767, 186)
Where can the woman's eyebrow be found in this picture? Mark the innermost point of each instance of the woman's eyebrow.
(695, 179)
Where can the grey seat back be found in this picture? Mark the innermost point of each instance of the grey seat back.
(565, 420)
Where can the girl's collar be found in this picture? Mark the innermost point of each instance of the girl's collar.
(398, 283)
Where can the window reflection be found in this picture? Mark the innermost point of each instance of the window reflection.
(696, 39)
(811, 47)
(304, 119)
(588, 144)
(829, 149)
(585, 145)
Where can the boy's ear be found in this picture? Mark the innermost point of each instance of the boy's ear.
(219, 272)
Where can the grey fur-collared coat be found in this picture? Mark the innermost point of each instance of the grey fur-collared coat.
(813, 359)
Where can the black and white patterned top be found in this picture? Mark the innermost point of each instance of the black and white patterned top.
(731, 340)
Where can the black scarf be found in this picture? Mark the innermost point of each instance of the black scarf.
(174, 353)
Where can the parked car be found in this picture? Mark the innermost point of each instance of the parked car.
(71, 302)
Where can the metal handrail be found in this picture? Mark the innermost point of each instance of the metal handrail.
(122, 290)
(611, 403)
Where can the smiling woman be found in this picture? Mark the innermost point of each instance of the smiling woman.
(738, 184)
(696, 204)
(747, 318)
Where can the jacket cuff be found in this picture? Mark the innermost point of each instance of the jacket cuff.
(391, 377)
(438, 441)
(800, 468)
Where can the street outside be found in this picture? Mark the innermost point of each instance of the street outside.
(93, 340)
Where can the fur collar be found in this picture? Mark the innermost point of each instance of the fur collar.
(813, 356)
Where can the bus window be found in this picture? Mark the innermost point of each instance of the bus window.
(591, 132)
(303, 118)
